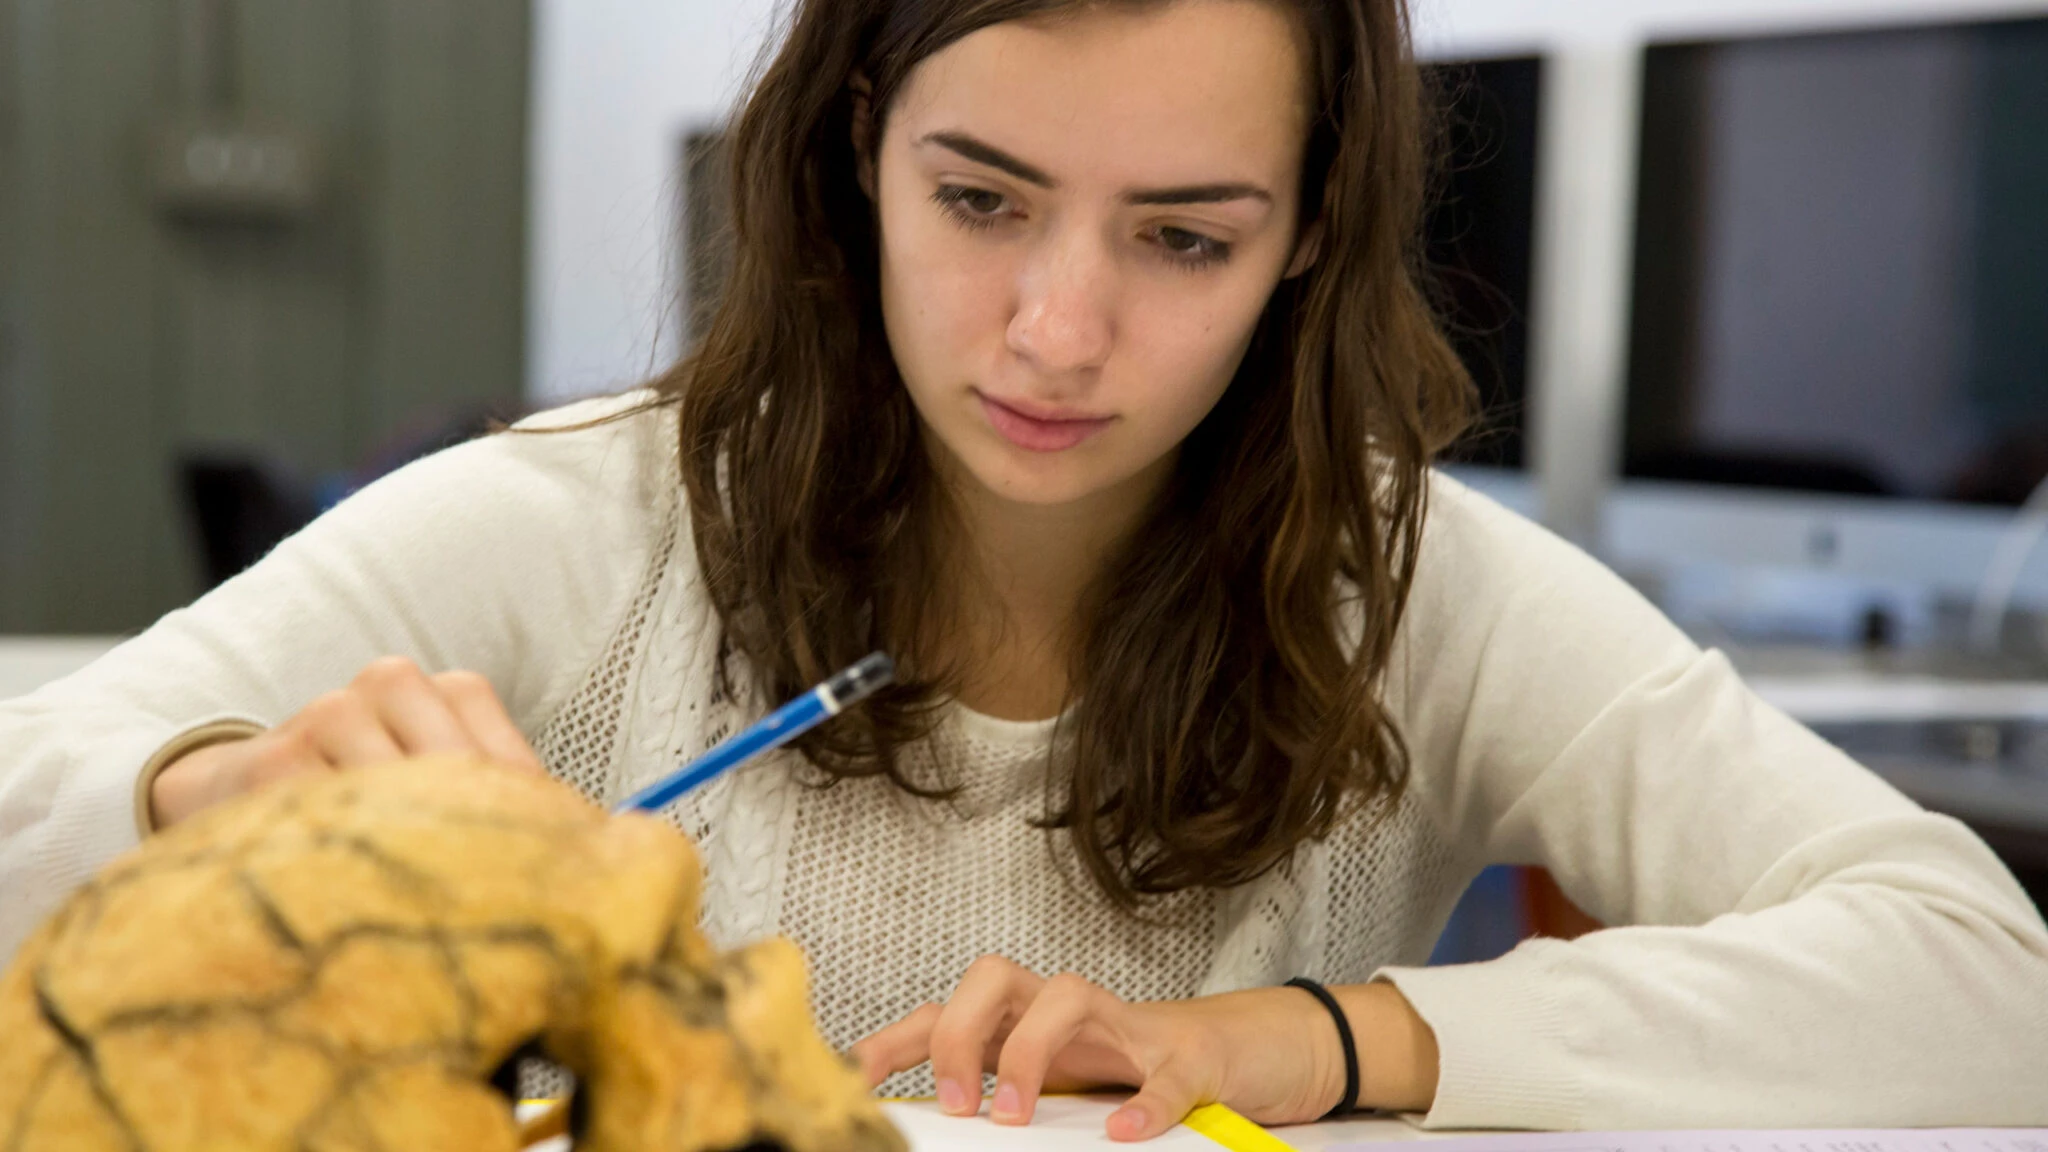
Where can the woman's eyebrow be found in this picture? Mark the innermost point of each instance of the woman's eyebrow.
(1198, 194)
(982, 152)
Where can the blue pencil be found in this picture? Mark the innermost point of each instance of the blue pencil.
(847, 687)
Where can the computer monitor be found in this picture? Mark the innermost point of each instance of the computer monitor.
(1839, 339)
(1480, 235)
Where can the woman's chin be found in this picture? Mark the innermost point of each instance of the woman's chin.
(1037, 480)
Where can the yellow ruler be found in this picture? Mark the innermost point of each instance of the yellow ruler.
(1233, 1131)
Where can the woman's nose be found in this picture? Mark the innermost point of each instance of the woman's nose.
(1066, 308)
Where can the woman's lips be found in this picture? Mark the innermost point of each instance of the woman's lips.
(1040, 431)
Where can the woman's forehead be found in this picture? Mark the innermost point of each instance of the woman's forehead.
(1192, 91)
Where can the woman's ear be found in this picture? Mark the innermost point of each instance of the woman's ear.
(863, 132)
(1307, 252)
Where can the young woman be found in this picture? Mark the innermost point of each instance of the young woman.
(1075, 356)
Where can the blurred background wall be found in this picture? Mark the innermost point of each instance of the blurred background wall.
(249, 232)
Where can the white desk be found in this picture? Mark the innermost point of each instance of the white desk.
(1847, 697)
(29, 662)
(1998, 790)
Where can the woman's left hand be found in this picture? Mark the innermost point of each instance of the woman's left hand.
(1270, 1053)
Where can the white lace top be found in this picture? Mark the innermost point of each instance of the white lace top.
(1803, 945)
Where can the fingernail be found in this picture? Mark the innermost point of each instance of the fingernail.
(1127, 1123)
(952, 1098)
(1007, 1105)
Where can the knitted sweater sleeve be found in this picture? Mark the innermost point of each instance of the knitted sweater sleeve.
(1797, 944)
(506, 556)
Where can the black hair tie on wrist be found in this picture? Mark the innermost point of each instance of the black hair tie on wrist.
(1347, 1103)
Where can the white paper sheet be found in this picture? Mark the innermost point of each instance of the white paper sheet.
(1744, 1140)
(1059, 1123)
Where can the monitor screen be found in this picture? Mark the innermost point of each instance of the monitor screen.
(1841, 264)
(1479, 233)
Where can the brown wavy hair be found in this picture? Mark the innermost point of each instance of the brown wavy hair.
(1223, 695)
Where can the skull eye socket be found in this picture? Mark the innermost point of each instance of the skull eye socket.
(506, 1078)
(759, 1144)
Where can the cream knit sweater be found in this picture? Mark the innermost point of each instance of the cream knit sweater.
(1804, 945)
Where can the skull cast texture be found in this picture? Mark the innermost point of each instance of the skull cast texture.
(352, 962)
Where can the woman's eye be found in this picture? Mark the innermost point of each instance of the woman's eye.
(1191, 249)
(973, 207)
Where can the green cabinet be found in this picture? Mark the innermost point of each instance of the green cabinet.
(137, 323)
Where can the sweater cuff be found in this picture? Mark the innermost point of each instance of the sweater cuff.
(1501, 1042)
(218, 731)
(91, 819)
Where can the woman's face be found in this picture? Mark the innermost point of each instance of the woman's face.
(1081, 222)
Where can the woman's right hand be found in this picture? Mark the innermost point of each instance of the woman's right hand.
(391, 710)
